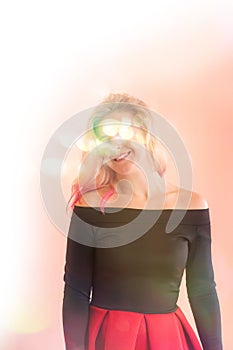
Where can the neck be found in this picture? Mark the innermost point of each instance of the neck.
(141, 185)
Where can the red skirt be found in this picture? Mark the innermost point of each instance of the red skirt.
(126, 330)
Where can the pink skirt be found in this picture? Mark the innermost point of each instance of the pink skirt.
(126, 330)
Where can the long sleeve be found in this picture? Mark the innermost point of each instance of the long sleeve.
(78, 283)
(201, 289)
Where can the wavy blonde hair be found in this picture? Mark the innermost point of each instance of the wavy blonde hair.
(95, 174)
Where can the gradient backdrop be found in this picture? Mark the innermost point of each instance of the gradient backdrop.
(60, 57)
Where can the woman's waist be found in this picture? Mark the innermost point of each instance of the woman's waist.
(152, 307)
(162, 296)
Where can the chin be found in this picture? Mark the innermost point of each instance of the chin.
(126, 169)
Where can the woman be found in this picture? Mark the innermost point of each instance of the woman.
(122, 272)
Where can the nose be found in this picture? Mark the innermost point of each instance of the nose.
(118, 144)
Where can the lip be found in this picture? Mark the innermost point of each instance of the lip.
(122, 156)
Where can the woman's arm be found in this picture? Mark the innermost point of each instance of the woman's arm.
(201, 289)
(78, 282)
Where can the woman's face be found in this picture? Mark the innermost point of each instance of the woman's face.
(123, 142)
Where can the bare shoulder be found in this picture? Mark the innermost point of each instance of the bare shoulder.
(197, 201)
(92, 198)
(89, 199)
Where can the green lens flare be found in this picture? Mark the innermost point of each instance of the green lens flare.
(111, 127)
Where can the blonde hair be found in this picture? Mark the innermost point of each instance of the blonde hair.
(97, 176)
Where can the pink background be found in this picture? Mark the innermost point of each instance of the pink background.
(61, 58)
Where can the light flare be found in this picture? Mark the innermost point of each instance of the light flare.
(86, 143)
(110, 130)
(126, 132)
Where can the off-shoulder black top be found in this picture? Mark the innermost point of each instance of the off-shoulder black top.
(142, 271)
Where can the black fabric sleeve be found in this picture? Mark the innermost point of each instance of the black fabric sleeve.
(201, 289)
(78, 283)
